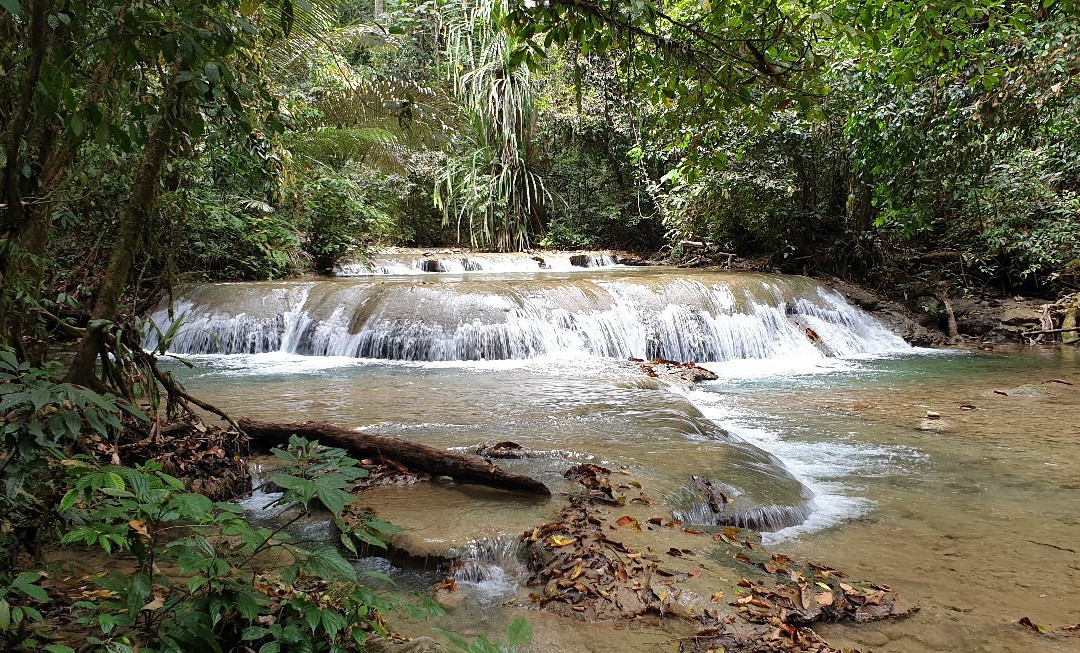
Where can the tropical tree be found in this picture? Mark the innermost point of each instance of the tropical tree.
(490, 184)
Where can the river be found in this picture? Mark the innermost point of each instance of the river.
(817, 422)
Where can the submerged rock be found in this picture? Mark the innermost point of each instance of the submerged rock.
(703, 502)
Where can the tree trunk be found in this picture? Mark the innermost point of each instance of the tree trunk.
(19, 119)
(950, 316)
(143, 192)
(13, 217)
(416, 457)
(28, 230)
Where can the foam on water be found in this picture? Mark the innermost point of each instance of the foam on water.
(702, 318)
(492, 568)
(824, 466)
(457, 262)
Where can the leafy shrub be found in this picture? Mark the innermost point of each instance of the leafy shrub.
(339, 219)
(243, 240)
(41, 423)
(219, 600)
(1031, 227)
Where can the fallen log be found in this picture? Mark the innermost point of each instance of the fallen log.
(937, 257)
(416, 457)
(1039, 332)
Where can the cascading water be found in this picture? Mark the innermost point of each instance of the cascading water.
(457, 263)
(686, 316)
(494, 567)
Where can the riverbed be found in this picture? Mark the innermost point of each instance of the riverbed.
(950, 475)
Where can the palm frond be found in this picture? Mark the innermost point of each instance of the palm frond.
(490, 184)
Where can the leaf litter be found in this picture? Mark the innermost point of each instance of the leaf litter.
(588, 564)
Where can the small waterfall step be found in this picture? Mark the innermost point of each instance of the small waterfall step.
(402, 261)
(682, 315)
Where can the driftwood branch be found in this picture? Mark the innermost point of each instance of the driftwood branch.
(954, 330)
(1039, 332)
(173, 388)
(170, 384)
(417, 457)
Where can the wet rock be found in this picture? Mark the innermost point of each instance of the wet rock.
(1028, 391)
(675, 371)
(980, 323)
(931, 311)
(451, 600)
(705, 502)
(862, 298)
(965, 306)
(503, 450)
(1021, 314)
(919, 335)
(698, 374)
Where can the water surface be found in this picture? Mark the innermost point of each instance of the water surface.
(973, 516)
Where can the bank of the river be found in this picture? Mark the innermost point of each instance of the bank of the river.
(925, 313)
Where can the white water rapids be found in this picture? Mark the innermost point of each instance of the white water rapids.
(686, 317)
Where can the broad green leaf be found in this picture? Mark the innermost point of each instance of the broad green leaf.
(113, 481)
(69, 500)
(191, 505)
(326, 563)
(11, 6)
(26, 583)
(519, 632)
(254, 632)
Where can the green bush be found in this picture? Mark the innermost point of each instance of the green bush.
(343, 218)
(243, 240)
(217, 597)
(214, 596)
(1030, 226)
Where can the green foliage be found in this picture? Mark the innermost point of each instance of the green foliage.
(1031, 231)
(17, 616)
(518, 636)
(42, 423)
(218, 599)
(490, 184)
(213, 596)
(340, 219)
(600, 195)
(233, 238)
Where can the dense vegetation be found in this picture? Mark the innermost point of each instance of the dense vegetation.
(146, 142)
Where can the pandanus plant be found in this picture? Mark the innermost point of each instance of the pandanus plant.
(489, 184)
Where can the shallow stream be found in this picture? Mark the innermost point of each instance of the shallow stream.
(818, 411)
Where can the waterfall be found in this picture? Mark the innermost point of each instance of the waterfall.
(452, 262)
(685, 316)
